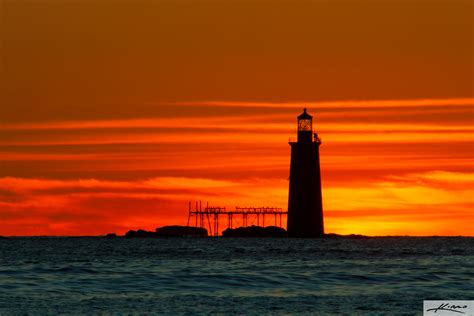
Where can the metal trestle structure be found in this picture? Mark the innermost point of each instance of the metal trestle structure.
(209, 216)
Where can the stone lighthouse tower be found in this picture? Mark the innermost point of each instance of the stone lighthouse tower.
(305, 204)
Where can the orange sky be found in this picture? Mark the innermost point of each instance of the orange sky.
(114, 114)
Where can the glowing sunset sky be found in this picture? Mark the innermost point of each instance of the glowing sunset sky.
(114, 114)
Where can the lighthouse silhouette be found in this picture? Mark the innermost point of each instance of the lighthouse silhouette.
(305, 204)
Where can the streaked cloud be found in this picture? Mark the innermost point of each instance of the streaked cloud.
(343, 104)
(156, 201)
(385, 170)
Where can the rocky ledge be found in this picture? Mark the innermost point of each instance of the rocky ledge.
(255, 231)
(168, 231)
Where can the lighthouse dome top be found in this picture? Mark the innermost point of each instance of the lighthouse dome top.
(305, 125)
(304, 115)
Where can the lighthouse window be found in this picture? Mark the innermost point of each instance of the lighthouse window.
(304, 125)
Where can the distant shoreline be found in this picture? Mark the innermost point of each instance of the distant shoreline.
(221, 237)
(176, 231)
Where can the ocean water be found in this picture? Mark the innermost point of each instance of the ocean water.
(376, 276)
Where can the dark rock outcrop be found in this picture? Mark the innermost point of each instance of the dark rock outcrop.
(181, 231)
(111, 235)
(168, 231)
(255, 231)
(351, 236)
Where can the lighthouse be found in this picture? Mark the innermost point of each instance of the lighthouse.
(305, 203)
